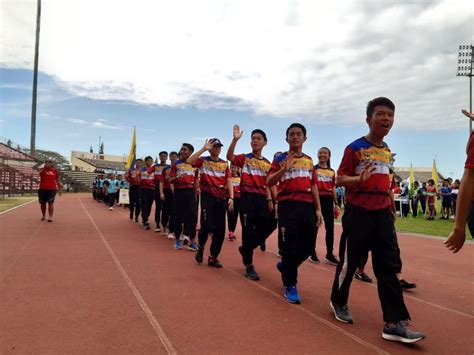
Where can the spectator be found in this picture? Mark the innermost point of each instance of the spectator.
(415, 198)
(446, 200)
(422, 197)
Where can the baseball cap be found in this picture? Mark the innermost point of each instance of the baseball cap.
(216, 141)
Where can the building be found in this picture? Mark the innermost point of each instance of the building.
(92, 162)
(421, 174)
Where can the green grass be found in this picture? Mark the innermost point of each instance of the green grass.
(437, 227)
(10, 202)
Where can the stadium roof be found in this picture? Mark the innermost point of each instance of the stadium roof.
(104, 164)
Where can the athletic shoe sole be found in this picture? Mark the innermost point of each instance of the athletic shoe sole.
(289, 301)
(313, 261)
(330, 262)
(400, 339)
(339, 319)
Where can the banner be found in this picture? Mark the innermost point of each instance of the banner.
(434, 173)
(123, 197)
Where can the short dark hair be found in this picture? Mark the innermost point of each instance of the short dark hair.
(138, 160)
(189, 146)
(148, 158)
(163, 152)
(173, 153)
(259, 131)
(379, 101)
(296, 125)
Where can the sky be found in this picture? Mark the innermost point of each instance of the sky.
(182, 71)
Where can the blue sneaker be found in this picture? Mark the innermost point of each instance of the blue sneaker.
(193, 246)
(178, 245)
(291, 295)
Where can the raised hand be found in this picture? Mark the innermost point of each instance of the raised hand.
(366, 173)
(237, 132)
(289, 161)
(468, 114)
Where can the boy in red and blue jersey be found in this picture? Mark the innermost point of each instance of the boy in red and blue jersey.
(368, 223)
(299, 209)
(217, 194)
(256, 200)
(147, 185)
(158, 181)
(183, 177)
(133, 177)
(167, 198)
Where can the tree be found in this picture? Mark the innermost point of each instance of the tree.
(91, 150)
(101, 148)
(58, 160)
(9, 143)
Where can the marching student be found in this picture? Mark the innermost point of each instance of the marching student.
(166, 195)
(256, 200)
(111, 190)
(233, 215)
(183, 177)
(465, 199)
(100, 189)
(326, 181)
(48, 187)
(368, 224)
(216, 186)
(133, 177)
(299, 209)
(157, 190)
(147, 185)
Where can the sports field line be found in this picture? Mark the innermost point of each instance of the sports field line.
(14, 208)
(149, 314)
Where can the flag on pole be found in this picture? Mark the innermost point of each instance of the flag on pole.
(412, 179)
(434, 173)
(133, 151)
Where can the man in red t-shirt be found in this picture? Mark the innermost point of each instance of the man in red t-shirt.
(465, 200)
(217, 195)
(256, 199)
(299, 209)
(49, 185)
(368, 224)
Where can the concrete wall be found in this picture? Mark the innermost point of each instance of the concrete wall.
(116, 158)
(80, 165)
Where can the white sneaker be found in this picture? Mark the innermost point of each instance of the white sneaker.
(170, 236)
(111, 209)
(186, 240)
(157, 230)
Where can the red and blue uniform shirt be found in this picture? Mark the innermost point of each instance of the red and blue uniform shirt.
(253, 173)
(213, 176)
(296, 183)
(325, 180)
(186, 172)
(147, 178)
(235, 180)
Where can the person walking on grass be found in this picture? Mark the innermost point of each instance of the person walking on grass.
(256, 199)
(217, 196)
(326, 182)
(299, 209)
(368, 224)
(48, 187)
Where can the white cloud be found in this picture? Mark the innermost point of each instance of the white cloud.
(100, 123)
(311, 60)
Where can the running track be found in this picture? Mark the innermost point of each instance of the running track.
(94, 282)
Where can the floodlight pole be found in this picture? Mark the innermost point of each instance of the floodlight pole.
(35, 82)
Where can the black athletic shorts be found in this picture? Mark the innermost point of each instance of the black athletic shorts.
(46, 196)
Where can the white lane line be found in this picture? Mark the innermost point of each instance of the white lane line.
(149, 314)
(315, 316)
(14, 208)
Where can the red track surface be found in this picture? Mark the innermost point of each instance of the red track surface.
(94, 282)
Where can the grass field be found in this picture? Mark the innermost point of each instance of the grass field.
(10, 202)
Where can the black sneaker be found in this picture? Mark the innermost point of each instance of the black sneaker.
(314, 259)
(400, 332)
(331, 259)
(136, 219)
(362, 276)
(341, 313)
(199, 255)
(131, 216)
(405, 285)
(214, 262)
(263, 247)
(251, 274)
(146, 227)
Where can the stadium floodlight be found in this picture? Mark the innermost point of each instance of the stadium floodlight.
(35, 82)
(465, 66)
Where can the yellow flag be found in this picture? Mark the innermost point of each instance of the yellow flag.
(434, 173)
(133, 152)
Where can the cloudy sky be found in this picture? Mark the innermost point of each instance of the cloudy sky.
(186, 70)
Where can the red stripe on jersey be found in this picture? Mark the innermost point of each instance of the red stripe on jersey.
(253, 173)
